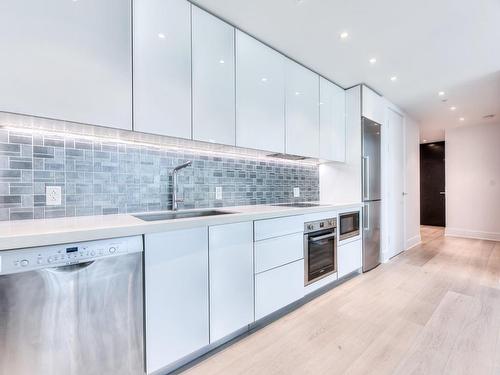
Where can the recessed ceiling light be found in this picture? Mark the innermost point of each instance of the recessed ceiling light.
(373, 60)
(462, 119)
(221, 61)
(441, 93)
(161, 35)
(344, 35)
(394, 78)
(425, 140)
(297, 93)
(263, 79)
(453, 108)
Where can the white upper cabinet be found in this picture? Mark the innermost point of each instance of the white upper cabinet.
(213, 79)
(373, 105)
(260, 95)
(302, 110)
(67, 60)
(162, 67)
(332, 122)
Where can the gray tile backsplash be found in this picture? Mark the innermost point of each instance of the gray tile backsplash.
(100, 177)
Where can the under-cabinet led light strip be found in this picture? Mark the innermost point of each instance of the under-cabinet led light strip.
(104, 138)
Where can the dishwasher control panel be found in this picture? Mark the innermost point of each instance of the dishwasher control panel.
(22, 260)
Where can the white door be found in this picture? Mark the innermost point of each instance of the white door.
(162, 67)
(231, 278)
(396, 177)
(213, 79)
(332, 121)
(302, 110)
(260, 95)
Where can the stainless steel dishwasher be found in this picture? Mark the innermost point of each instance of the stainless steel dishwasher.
(72, 309)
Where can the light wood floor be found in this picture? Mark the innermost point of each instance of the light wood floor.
(434, 309)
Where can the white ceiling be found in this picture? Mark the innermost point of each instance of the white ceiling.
(430, 45)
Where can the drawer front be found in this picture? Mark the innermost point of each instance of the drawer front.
(282, 226)
(278, 288)
(275, 252)
(349, 257)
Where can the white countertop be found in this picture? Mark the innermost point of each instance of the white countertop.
(41, 232)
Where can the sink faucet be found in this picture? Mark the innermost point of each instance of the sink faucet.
(176, 170)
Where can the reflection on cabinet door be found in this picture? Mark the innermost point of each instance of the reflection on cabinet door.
(213, 79)
(260, 95)
(302, 110)
(67, 60)
(332, 122)
(162, 67)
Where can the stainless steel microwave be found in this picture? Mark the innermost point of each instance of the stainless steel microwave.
(348, 225)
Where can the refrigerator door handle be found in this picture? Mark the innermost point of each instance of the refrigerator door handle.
(366, 215)
(366, 182)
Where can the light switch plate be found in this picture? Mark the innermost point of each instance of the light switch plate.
(218, 192)
(296, 192)
(53, 195)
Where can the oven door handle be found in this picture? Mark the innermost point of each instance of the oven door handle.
(323, 237)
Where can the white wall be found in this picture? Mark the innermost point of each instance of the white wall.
(341, 182)
(412, 183)
(473, 181)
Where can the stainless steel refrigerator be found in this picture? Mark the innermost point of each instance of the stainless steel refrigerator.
(371, 191)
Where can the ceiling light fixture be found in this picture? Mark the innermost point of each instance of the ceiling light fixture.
(394, 78)
(161, 35)
(453, 108)
(221, 61)
(425, 140)
(373, 60)
(344, 35)
(441, 93)
(461, 119)
(263, 79)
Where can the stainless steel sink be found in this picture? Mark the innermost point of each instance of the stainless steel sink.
(180, 215)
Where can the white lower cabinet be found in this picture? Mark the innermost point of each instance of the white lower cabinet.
(278, 288)
(176, 294)
(231, 278)
(349, 258)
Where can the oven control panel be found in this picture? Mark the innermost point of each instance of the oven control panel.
(13, 261)
(315, 226)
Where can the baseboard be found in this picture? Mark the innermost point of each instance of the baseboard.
(412, 242)
(476, 234)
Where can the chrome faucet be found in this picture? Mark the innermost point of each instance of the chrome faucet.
(176, 170)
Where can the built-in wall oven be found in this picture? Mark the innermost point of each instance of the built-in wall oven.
(349, 225)
(320, 249)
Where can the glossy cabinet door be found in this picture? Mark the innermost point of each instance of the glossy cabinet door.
(213, 79)
(349, 258)
(302, 110)
(372, 105)
(176, 295)
(231, 278)
(332, 122)
(67, 60)
(260, 95)
(278, 287)
(162, 67)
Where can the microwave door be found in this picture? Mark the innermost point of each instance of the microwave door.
(371, 161)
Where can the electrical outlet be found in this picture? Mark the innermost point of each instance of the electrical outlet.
(53, 195)
(218, 192)
(296, 192)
